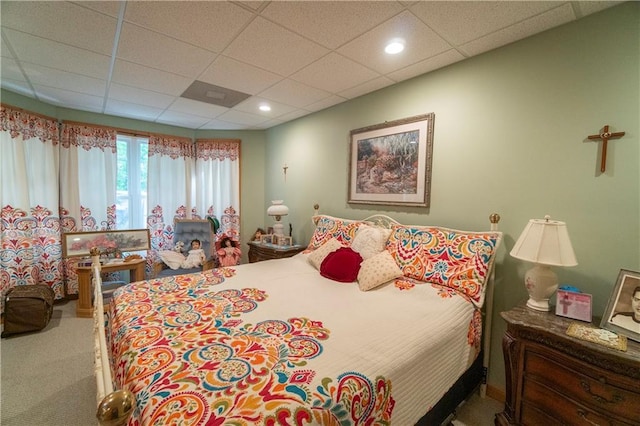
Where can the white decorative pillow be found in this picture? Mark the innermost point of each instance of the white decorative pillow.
(319, 254)
(378, 270)
(171, 258)
(370, 240)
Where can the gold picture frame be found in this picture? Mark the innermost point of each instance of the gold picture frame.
(390, 163)
(78, 244)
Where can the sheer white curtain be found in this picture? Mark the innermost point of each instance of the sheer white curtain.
(87, 183)
(170, 188)
(30, 231)
(218, 183)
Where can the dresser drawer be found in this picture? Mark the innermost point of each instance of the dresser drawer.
(557, 407)
(571, 379)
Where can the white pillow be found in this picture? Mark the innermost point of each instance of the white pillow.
(171, 258)
(378, 270)
(370, 240)
(318, 255)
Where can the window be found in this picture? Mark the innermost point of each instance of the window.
(131, 182)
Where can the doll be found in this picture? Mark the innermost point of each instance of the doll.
(195, 257)
(259, 233)
(228, 253)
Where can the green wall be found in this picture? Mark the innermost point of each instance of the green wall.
(510, 137)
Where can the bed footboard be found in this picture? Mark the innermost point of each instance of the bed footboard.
(114, 407)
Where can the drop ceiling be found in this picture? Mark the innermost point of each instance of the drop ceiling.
(136, 58)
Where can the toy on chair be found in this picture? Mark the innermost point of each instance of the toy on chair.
(228, 252)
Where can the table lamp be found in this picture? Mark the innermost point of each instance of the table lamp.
(545, 243)
(277, 210)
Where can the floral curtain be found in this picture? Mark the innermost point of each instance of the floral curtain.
(170, 189)
(218, 183)
(87, 183)
(30, 229)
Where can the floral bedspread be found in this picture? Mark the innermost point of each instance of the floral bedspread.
(181, 345)
(275, 343)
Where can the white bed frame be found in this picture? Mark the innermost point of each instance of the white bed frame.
(115, 407)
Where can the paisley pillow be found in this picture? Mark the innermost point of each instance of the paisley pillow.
(456, 259)
(328, 227)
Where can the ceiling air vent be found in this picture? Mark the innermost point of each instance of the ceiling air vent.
(212, 94)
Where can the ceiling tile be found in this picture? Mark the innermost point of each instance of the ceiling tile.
(69, 99)
(134, 95)
(325, 103)
(157, 51)
(149, 78)
(538, 23)
(10, 69)
(271, 47)
(331, 23)
(461, 22)
(439, 61)
(190, 106)
(181, 119)
(17, 86)
(208, 24)
(334, 73)
(111, 8)
(132, 110)
(421, 42)
(60, 56)
(589, 7)
(232, 74)
(240, 117)
(216, 124)
(45, 76)
(252, 106)
(293, 93)
(90, 30)
(369, 86)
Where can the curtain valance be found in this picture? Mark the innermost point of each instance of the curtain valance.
(18, 122)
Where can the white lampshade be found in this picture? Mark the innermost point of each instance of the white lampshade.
(544, 242)
(277, 209)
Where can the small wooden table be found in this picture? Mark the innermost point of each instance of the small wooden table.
(84, 307)
(259, 251)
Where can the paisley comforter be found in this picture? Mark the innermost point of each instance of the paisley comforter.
(275, 343)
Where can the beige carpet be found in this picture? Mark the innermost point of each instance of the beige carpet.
(46, 378)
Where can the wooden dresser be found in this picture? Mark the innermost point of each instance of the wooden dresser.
(259, 251)
(552, 378)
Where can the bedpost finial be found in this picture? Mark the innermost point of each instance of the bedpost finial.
(116, 408)
(494, 218)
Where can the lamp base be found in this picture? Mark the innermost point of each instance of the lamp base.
(278, 229)
(541, 282)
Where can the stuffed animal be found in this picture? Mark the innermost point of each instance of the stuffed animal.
(178, 247)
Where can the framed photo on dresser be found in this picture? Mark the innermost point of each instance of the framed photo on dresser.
(623, 310)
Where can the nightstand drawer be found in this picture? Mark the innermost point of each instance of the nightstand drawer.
(546, 406)
(581, 383)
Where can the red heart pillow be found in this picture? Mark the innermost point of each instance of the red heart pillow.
(341, 265)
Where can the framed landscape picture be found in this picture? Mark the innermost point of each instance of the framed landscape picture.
(390, 163)
(78, 244)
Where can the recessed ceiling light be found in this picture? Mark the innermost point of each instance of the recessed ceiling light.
(394, 47)
(264, 107)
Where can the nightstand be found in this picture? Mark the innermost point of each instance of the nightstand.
(259, 251)
(553, 378)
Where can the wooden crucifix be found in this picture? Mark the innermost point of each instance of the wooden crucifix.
(605, 135)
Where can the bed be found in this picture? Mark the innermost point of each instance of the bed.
(298, 340)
